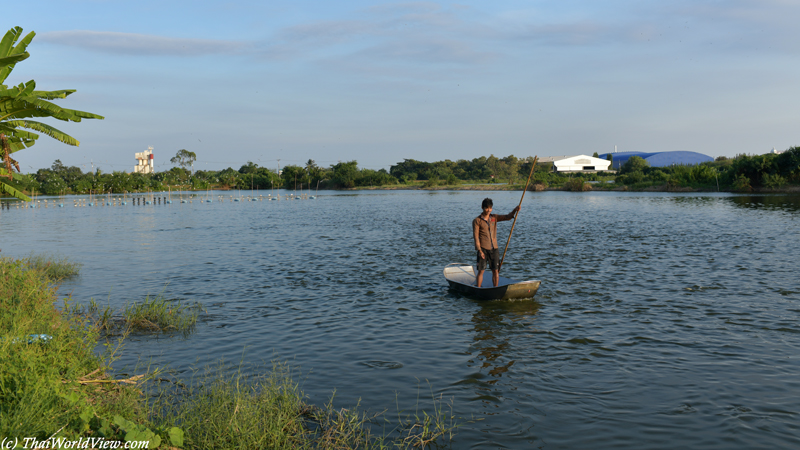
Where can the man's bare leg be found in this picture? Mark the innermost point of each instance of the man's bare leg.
(496, 277)
(479, 278)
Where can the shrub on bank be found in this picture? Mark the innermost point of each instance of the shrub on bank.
(53, 267)
(577, 185)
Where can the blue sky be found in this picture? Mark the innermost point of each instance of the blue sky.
(378, 82)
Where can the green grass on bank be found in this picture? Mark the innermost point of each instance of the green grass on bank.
(160, 314)
(51, 384)
(54, 267)
(60, 388)
(155, 314)
(224, 408)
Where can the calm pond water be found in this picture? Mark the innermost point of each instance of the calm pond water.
(663, 320)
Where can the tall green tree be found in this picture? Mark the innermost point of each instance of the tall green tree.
(345, 174)
(634, 164)
(184, 158)
(294, 176)
(789, 163)
(19, 104)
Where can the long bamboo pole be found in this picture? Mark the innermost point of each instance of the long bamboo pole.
(533, 166)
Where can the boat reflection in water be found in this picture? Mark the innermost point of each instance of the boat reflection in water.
(493, 324)
(493, 368)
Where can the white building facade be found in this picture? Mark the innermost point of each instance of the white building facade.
(578, 163)
(144, 161)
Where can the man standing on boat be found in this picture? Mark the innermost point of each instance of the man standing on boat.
(484, 231)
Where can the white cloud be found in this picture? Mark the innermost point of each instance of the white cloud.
(419, 32)
(327, 33)
(582, 33)
(740, 25)
(428, 51)
(140, 44)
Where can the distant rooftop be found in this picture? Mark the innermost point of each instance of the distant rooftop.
(659, 159)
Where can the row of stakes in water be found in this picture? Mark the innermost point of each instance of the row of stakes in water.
(151, 200)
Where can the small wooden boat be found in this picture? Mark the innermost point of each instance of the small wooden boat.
(462, 278)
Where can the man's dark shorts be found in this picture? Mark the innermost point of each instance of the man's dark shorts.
(492, 259)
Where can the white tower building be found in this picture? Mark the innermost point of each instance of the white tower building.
(144, 161)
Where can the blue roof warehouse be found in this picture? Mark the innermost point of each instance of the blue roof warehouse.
(659, 159)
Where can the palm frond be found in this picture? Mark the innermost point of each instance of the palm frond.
(11, 93)
(45, 129)
(20, 103)
(22, 107)
(19, 91)
(15, 132)
(26, 89)
(23, 112)
(55, 111)
(52, 95)
(6, 104)
(83, 114)
(18, 139)
(13, 192)
(21, 145)
(8, 40)
(13, 59)
(6, 50)
(14, 175)
(23, 44)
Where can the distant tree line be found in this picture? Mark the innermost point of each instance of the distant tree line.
(741, 173)
(61, 179)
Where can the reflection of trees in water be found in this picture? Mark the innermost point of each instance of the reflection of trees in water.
(493, 324)
(781, 202)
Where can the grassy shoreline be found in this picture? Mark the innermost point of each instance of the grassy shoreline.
(602, 187)
(423, 186)
(54, 385)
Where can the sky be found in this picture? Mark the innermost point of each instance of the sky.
(282, 82)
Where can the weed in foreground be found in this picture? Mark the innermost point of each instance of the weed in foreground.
(154, 314)
(161, 314)
(53, 267)
(224, 408)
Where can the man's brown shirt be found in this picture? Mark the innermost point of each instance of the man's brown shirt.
(485, 232)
